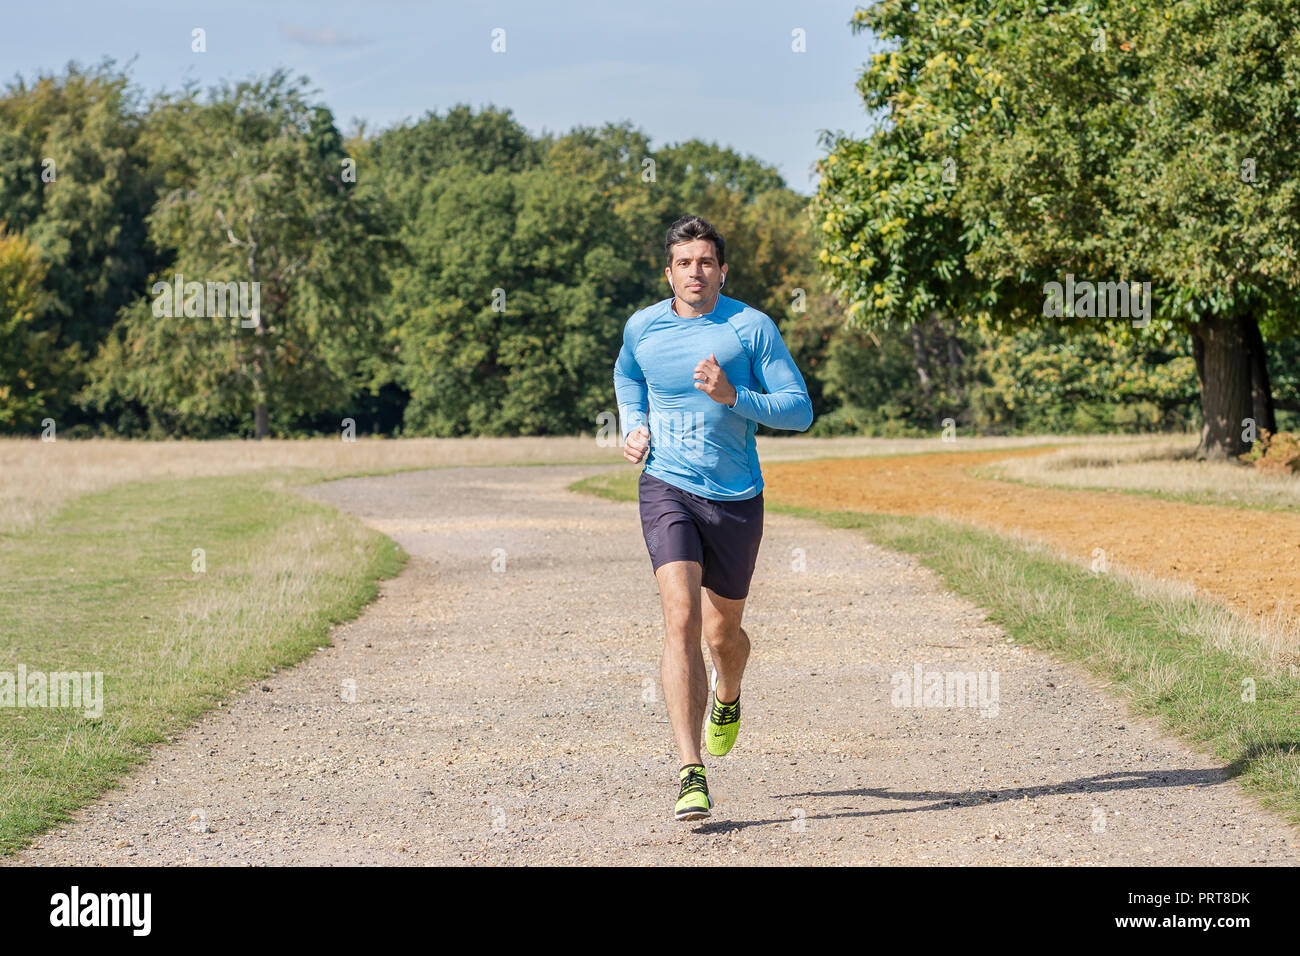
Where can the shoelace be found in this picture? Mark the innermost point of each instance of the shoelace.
(694, 783)
(725, 713)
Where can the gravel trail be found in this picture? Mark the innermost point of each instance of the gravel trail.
(515, 716)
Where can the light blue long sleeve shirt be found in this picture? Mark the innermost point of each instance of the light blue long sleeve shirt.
(696, 443)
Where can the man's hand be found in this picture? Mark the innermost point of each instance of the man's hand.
(712, 380)
(637, 444)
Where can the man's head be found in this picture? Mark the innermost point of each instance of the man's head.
(696, 262)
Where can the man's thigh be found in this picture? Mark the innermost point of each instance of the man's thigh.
(679, 591)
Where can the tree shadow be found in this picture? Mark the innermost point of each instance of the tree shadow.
(951, 800)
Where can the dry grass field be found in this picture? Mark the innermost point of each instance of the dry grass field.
(1163, 467)
(1150, 511)
(37, 477)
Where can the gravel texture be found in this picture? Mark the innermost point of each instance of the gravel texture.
(515, 716)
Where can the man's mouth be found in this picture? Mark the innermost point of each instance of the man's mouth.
(695, 285)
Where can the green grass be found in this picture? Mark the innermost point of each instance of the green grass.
(107, 585)
(1179, 660)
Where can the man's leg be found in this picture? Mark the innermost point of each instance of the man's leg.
(686, 687)
(727, 640)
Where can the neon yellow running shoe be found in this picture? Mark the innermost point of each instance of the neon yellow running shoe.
(694, 802)
(723, 726)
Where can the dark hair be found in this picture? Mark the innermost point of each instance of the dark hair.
(693, 227)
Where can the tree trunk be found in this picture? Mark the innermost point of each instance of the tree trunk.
(954, 357)
(1226, 369)
(920, 362)
(261, 424)
(1261, 386)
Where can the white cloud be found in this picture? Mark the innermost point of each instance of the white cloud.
(320, 36)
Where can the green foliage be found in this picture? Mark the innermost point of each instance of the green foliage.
(379, 292)
(31, 362)
(1042, 379)
(769, 248)
(873, 381)
(253, 193)
(523, 265)
(1004, 381)
(1108, 141)
(519, 274)
(1153, 139)
(892, 242)
(75, 181)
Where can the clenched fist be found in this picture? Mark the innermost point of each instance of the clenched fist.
(637, 444)
(712, 381)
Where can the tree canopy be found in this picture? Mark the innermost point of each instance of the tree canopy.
(1019, 146)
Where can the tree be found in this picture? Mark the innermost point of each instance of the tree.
(519, 273)
(1185, 119)
(31, 362)
(1103, 142)
(74, 179)
(255, 195)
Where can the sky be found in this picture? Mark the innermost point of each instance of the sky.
(721, 72)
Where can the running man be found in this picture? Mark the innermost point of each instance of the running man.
(708, 370)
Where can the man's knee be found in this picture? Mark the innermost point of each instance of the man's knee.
(722, 638)
(682, 626)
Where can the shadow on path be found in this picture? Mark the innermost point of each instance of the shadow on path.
(950, 800)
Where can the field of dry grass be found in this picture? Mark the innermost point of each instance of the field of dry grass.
(37, 477)
(1165, 467)
(1239, 551)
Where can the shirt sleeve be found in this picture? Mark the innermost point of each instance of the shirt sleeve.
(629, 387)
(786, 404)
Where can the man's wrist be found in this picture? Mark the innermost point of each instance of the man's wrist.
(735, 397)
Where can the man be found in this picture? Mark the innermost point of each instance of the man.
(708, 370)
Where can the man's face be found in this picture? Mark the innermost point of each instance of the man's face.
(694, 272)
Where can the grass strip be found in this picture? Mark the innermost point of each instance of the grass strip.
(108, 584)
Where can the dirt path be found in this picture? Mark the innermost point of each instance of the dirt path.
(515, 716)
(1248, 559)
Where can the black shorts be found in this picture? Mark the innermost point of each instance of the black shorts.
(721, 536)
